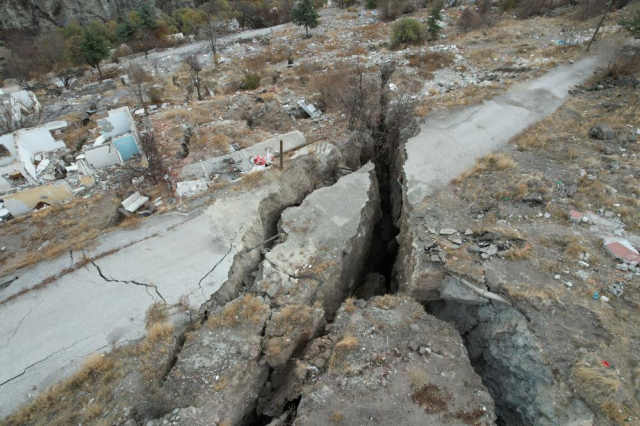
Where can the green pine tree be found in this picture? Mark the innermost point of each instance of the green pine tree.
(147, 16)
(126, 30)
(304, 13)
(94, 49)
(433, 21)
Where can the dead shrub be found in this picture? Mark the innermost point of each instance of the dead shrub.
(330, 86)
(625, 63)
(471, 20)
(431, 399)
(592, 8)
(389, 10)
(157, 313)
(529, 8)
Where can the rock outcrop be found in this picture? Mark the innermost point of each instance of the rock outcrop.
(391, 363)
(46, 14)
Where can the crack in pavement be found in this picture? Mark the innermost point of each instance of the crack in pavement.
(211, 271)
(20, 323)
(44, 359)
(112, 280)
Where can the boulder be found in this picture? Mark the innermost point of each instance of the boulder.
(602, 132)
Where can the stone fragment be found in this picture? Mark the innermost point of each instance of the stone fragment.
(448, 231)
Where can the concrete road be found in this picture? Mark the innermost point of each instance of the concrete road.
(449, 142)
(171, 59)
(46, 333)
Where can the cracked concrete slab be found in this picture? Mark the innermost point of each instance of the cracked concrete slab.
(48, 330)
(51, 330)
(449, 143)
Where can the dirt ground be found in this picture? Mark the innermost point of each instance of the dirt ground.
(550, 267)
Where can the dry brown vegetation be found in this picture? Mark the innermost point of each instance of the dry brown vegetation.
(428, 62)
(341, 351)
(431, 399)
(248, 308)
(490, 162)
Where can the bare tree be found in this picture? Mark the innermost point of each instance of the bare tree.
(138, 76)
(195, 68)
(210, 32)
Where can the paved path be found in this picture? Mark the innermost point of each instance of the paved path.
(449, 143)
(46, 333)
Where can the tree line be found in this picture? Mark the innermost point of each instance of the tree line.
(66, 51)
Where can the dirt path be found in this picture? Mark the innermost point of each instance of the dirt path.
(449, 142)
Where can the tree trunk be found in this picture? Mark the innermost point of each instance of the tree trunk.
(306, 27)
(198, 90)
(99, 71)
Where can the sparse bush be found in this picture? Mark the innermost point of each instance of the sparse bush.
(251, 81)
(389, 10)
(407, 30)
(623, 64)
(507, 5)
(156, 95)
(429, 62)
(122, 51)
(632, 25)
(469, 20)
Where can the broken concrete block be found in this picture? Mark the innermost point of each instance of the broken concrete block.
(189, 188)
(623, 250)
(448, 231)
(134, 202)
(616, 289)
(310, 109)
(575, 216)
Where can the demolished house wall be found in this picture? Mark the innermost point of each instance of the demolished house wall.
(22, 203)
(119, 141)
(9, 145)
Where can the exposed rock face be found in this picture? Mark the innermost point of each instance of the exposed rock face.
(46, 14)
(391, 363)
(502, 346)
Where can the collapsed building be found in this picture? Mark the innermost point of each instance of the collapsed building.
(18, 104)
(36, 171)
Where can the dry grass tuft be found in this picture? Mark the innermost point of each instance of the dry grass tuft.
(518, 253)
(349, 306)
(386, 302)
(429, 62)
(157, 313)
(490, 162)
(418, 378)
(248, 308)
(595, 382)
(159, 331)
(341, 350)
(336, 417)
